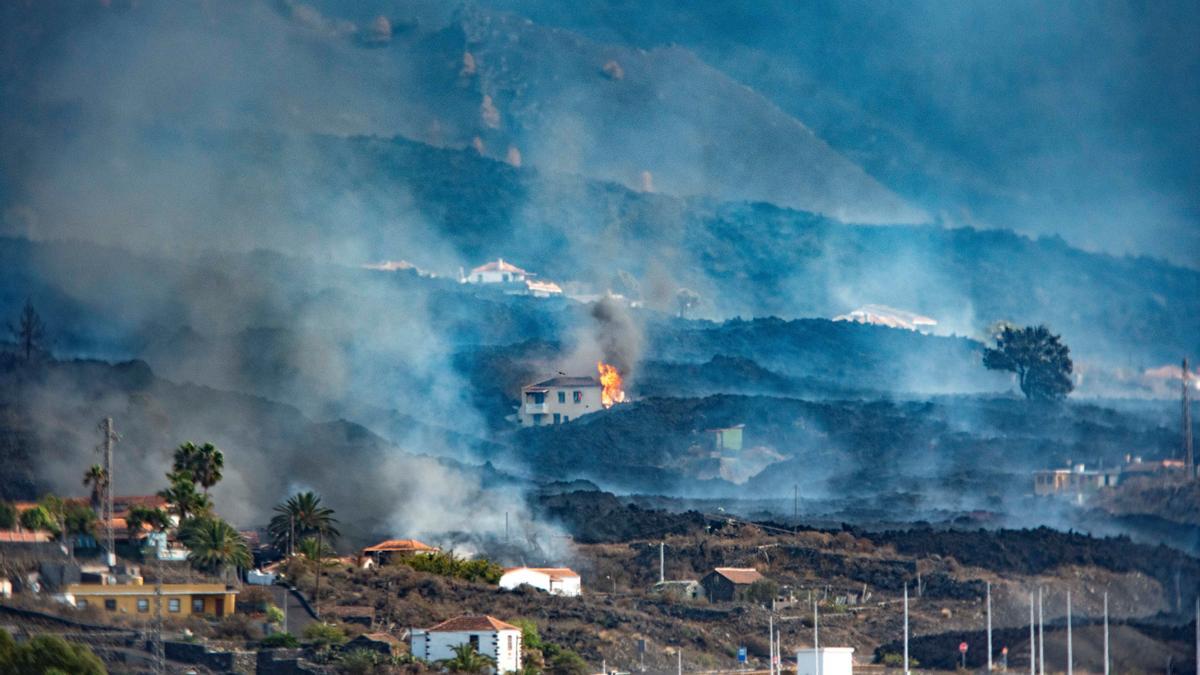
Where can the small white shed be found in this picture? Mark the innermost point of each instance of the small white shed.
(553, 580)
(825, 661)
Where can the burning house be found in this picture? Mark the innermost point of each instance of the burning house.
(559, 400)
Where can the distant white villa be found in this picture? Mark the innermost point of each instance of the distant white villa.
(515, 280)
(882, 315)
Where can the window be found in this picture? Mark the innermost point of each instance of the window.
(557, 418)
(81, 603)
(110, 604)
(562, 397)
(566, 419)
(577, 396)
(474, 642)
(143, 605)
(510, 643)
(197, 605)
(173, 605)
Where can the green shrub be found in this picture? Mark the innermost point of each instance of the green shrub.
(324, 634)
(279, 641)
(47, 653)
(360, 661)
(448, 565)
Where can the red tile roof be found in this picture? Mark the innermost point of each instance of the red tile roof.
(739, 575)
(498, 266)
(472, 623)
(552, 572)
(13, 537)
(399, 545)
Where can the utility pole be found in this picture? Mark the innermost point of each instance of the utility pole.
(106, 508)
(906, 628)
(817, 635)
(1032, 640)
(662, 562)
(506, 527)
(160, 665)
(1070, 653)
(1189, 459)
(771, 643)
(1041, 636)
(989, 625)
(679, 662)
(1105, 632)
(796, 505)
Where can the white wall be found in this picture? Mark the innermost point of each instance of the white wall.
(504, 646)
(834, 661)
(568, 586)
(590, 402)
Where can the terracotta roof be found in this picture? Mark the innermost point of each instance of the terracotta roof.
(12, 537)
(379, 637)
(543, 286)
(552, 572)
(471, 623)
(498, 266)
(399, 545)
(739, 575)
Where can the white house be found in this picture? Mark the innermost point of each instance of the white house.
(498, 272)
(489, 636)
(834, 661)
(559, 400)
(553, 580)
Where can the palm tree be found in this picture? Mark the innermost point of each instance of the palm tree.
(182, 497)
(467, 660)
(185, 457)
(97, 477)
(214, 546)
(301, 517)
(204, 463)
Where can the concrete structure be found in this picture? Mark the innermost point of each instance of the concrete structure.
(728, 439)
(833, 661)
(725, 584)
(393, 549)
(553, 580)
(1076, 482)
(489, 636)
(559, 400)
(177, 599)
(498, 272)
(543, 289)
(680, 589)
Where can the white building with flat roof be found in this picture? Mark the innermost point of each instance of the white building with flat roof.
(825, 661)
(559, 400)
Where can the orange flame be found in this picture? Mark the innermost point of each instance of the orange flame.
(610, 381)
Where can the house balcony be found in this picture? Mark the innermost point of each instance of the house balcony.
(535, 408)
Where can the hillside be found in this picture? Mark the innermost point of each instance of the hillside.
(49, 413)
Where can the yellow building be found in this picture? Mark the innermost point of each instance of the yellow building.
(177, 599)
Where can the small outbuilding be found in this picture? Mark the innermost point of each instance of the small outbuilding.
(553, 580)
(825, 661)
(380, 643)
(726, 584)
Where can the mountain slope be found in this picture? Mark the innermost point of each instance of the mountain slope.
(519, 90)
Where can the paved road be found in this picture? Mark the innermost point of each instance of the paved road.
(298, 617)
